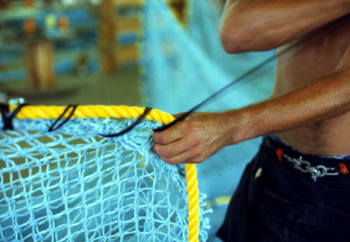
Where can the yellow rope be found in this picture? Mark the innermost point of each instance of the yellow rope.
(53, 112)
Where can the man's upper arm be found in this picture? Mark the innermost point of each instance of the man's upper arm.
(249, 25)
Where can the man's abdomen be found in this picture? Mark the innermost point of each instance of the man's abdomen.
(327, 138)
(315, 58)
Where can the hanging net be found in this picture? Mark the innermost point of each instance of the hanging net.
(183, 65)
(180, 72)
(75, 185)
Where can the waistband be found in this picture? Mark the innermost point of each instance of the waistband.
(279, 140)
(315, 166)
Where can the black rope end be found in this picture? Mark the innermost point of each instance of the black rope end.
(7, 116)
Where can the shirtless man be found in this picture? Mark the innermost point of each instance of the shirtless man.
(297, 187)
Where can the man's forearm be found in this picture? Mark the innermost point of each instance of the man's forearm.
(249, 25)
(323, 99)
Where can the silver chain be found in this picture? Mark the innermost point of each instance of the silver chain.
(315, 171)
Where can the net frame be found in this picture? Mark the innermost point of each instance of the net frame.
(126, 112)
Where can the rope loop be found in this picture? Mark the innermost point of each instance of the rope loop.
(53, 128)
(128, 129)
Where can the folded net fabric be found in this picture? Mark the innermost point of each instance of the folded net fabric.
(75, 185)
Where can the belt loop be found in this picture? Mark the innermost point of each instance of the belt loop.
(279, 153)
(343, 168)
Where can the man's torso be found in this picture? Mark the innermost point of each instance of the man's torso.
(316, 57)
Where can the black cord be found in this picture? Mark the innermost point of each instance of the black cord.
(220, 91)
(145, 113)
(7, 116)
(53, 128)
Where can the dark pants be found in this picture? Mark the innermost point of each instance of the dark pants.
(285, 204)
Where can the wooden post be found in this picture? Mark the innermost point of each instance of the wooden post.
(115, 55)
(40, 64)
(107, 33)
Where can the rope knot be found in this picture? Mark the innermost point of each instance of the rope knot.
(7, 116)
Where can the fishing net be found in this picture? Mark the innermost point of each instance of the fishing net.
(179, 72)
(75, 185)
(183, 65)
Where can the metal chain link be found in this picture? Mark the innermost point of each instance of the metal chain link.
(315, 171)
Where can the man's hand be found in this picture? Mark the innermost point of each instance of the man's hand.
(192, 140)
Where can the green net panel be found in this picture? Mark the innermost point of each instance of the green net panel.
(74, 185)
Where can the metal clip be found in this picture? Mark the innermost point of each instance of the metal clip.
(305, 167)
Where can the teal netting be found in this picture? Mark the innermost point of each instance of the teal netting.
(74, 185)
(183, 66)
(178, 73)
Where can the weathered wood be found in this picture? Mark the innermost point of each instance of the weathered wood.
(40, 64)
(112, 25)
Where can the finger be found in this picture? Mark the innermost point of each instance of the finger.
(168, 136)
(172, 149)
(195, 160)
(184, 157)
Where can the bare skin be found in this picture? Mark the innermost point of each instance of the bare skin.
(310, 105)
(318, 57)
